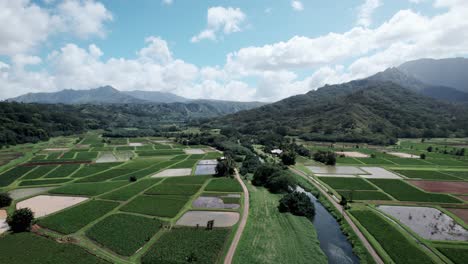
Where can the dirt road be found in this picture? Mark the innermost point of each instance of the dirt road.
(361, 236)
(243, 221)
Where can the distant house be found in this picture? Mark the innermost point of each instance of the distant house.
(276, 151)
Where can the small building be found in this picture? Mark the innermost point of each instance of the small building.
(276, 151)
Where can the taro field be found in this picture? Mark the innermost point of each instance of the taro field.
(410, 199)
(119, 200)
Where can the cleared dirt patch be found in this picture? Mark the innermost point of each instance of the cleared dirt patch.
(106, 157)
(3, 225)
(135, 144)
(352, 154)
(205, 170)
(194, 151)
(442, 186)
(403, 155)
(335, 170)
(208, 162)
(57, 149)
(427, 222)
(221, 219)
(173, 173)
(43, 205)
(378, 173)
(335, 175)
(462, 213)
(212, 202)
(25, 192)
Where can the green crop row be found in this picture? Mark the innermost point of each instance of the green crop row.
(87, 189)
(156, 205)
(347, 183)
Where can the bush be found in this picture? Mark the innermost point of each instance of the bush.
(422, 156)
(21, 220)
(326, 157)
(132, 179)
(262, 174)
(280, 182)
(297, 203)
(288, 158)
(5, 200)
(250, 164)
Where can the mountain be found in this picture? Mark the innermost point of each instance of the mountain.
(156, 97)
(105, 94)
(452, 72)
(370, 111)
(409, 81)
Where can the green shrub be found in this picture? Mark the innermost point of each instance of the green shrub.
(21, 220)
(297, 203)
(5, 200)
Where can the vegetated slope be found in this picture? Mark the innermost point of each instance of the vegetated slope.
(358, 111)
(20, 123)
(156, 96)
(408, 81)
(451, 72)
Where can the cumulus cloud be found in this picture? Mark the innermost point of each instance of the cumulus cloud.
(365, 12)
(297, 5)
(221, 20)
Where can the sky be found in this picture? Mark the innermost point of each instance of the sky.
(239, 50)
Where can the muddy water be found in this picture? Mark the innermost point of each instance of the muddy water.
(332, 241)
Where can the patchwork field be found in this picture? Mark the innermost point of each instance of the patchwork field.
(156, 205)
(43, 205)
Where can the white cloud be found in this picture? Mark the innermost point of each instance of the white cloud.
(167, 2)
(156, 51)
(84, 18)
(297, 5)
(365, 12)
(220, 19)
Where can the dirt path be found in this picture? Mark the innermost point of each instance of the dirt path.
(361, 236)
(243, 221)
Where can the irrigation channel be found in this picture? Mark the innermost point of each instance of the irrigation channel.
(332, 240)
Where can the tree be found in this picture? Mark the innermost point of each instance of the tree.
(280, 181)
(5, 200)
(262, 174)
(297, 203)
(429, 149)
(225, 167)
(21, 220)
(133, 179)
(344, 201)
(326, 157)
(288, 158)
(422, 156)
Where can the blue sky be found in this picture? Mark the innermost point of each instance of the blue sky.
(251, 50)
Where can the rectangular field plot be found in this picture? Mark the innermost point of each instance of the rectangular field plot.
(174, 189)
(173, 173)
(40, 171)
(187, 180)
(43, 182)
(442, 186)
(69, 155)
(426, 174)
(347, 183)
(375, 161)
(410, 162)
(162, 152)
(447, 162)
(185, 164)
(88, 189)
(63, 171)
(335, 170)
(43, 205)
(223, 185)
(341, 160)
(156, 205)
(173, 246)
(11, 175)
(42, 250)
(400, 248)
(127, 192)
(88, 170)
(378, 173)
(459, 174)
(427, 222)
(145, 172)
(457, 255)
(403, 191)
(123, 233)
(73, 219)
(364, 195)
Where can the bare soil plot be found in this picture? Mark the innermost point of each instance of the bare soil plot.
(135, 144)
(378, 173)
(173, 173)
(25, 192)
(194, 151)
(335, 170)
(3, 224)
(106, 157)
(335, 175)
(403, 155)
(461, 213)
(221, 219)
(205, 170)
(57, 149)
(43, 205)
(213, 202)
(442, 186)
(463, 197)
(352, 154)
(208, 162)
(427, 222)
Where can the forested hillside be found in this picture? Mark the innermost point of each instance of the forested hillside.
(358, 111)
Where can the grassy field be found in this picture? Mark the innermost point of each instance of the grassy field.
(40, 171)
(181, 244)
(273, 237)
(427, 175)
(63, 171)
(399, 247)
(402, 191)
(363, 195)
(27, 248)
(185, 164)
(187, 180)
(156, 205)
(10, 176)
(123, 233)
(174, 189)
(347, 183)
(127, 192)
(88, 170)
(223, 185)
(43, 182)
(88, 189)
(75, 218)
(456, 254)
